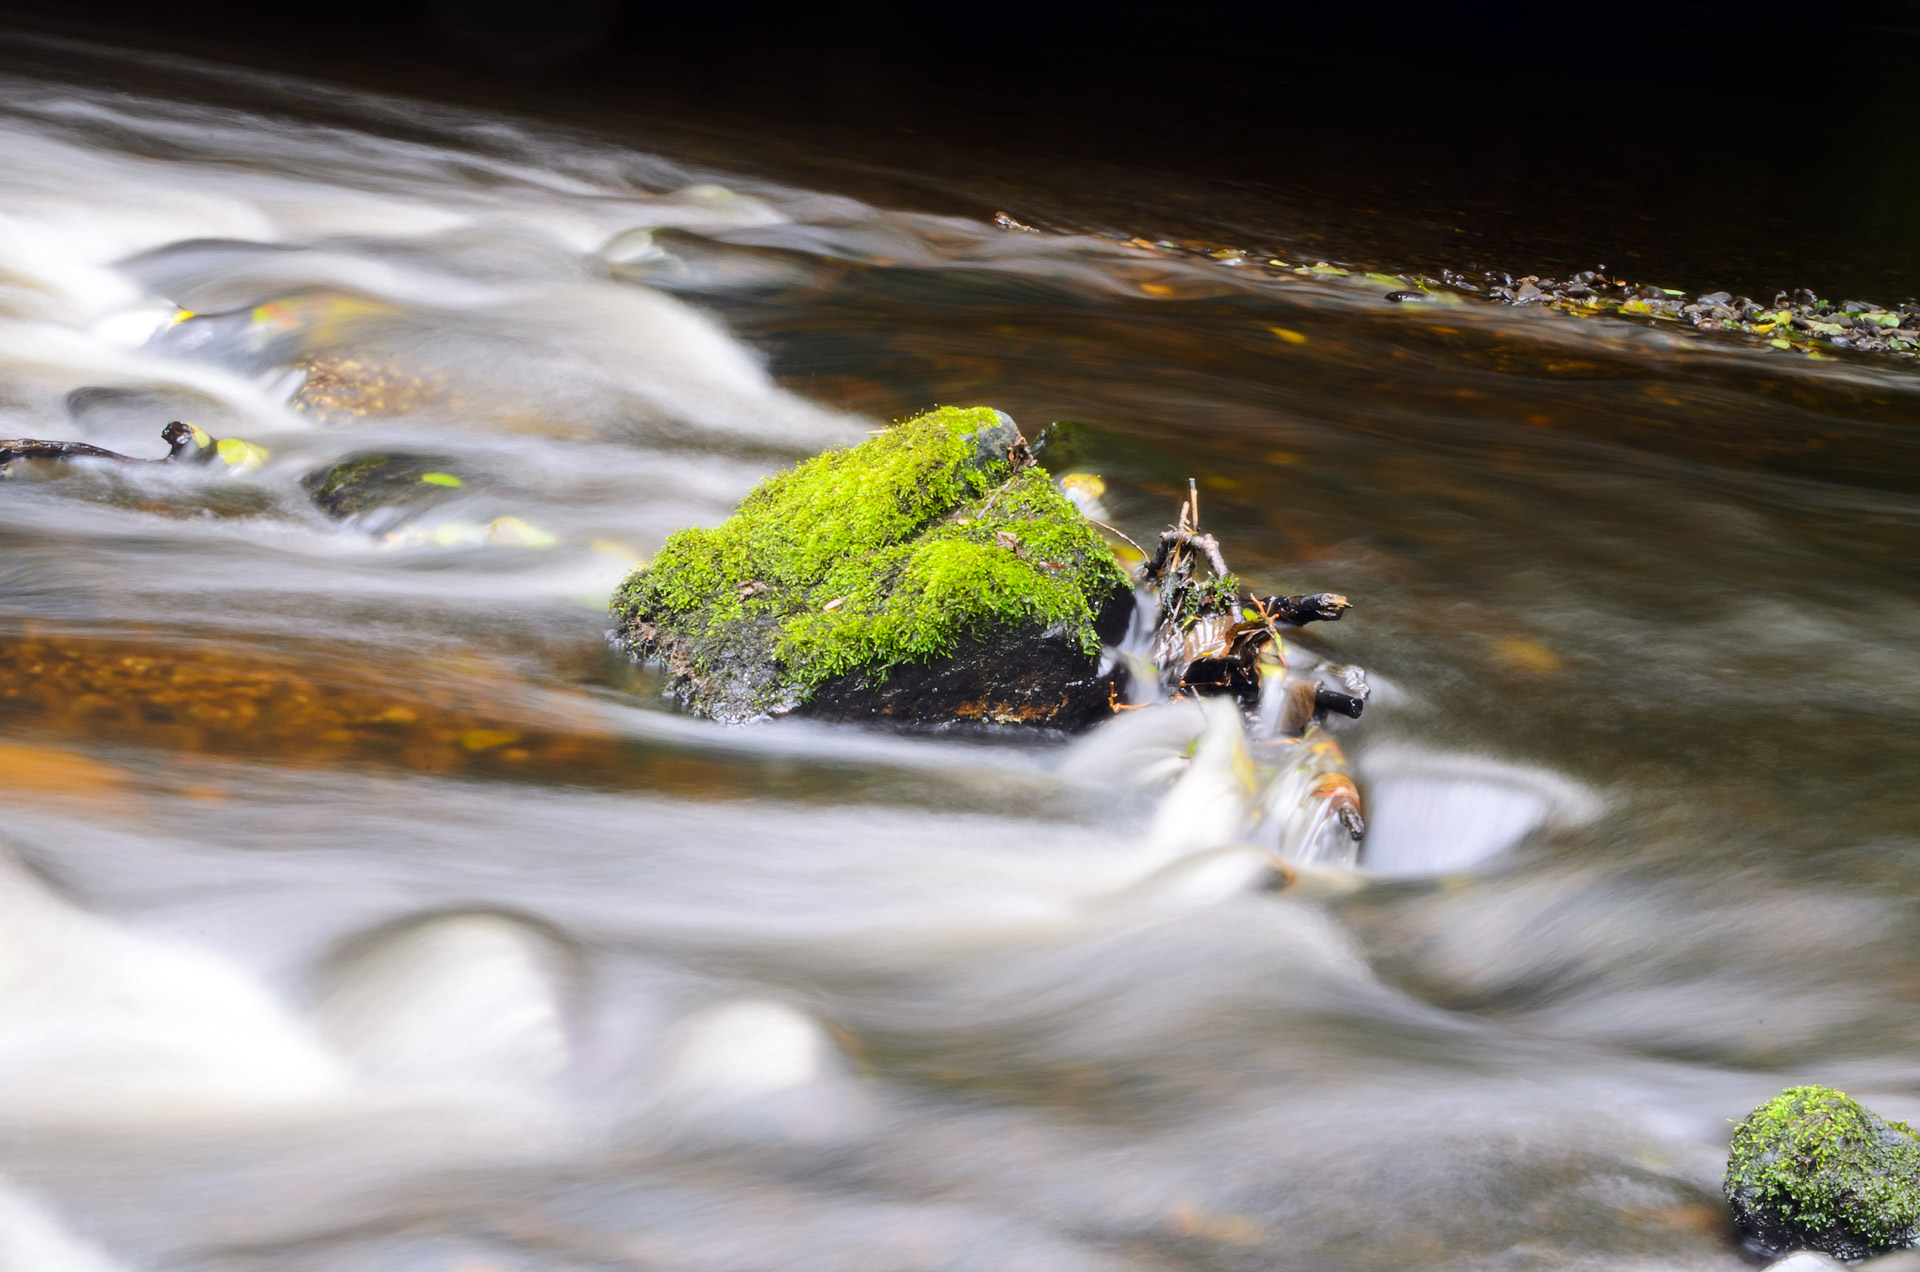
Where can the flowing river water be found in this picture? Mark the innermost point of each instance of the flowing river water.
(360, 910)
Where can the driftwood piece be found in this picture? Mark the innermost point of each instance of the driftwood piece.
(179, 438)
(1211, 640)
(1297, 611)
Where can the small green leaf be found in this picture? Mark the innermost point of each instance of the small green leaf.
(441, 479)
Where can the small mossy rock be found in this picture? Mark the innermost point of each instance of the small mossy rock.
(930, 575)
(380, 483)
(1813, 1169)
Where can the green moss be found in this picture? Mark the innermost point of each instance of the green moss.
(865, 559)
(1816, 1164)
(1210, 595)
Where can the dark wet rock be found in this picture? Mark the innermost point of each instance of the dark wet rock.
(1813, 1169)
(382, 485)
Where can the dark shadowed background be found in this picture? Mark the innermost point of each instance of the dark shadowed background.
(1754, 146)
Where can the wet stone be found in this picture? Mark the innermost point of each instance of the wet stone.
(381, 484)
(1812, 1169)
(932, 575)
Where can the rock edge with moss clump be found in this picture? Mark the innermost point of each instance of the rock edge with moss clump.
(1814, 1169)
(932, 574)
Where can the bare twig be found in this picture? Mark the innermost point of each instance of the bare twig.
(32, 448)
(177, 436)
(1181, 537)
(1130, 543)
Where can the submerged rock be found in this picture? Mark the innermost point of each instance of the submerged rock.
(931, 575)
(389, 483)
(380, 492)
(1813, 1169)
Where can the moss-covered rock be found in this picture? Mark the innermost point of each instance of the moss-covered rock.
(931, 574)
(1813, 1169)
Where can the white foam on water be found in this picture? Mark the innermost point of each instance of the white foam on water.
(463, 1002)
(743, 1050)
(756, 1069)
(1430, 812)
(33, 1239)
(101, 1023)
(98, 240)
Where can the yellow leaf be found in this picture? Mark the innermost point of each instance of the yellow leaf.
(487, 739)
(1156, 289)
(241, 456)
(455, 534)
(519, 533)
(1527, 655)
(441, 479)
(1289, 335)
(1222, 1226)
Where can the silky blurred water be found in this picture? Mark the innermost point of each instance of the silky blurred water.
(363, 911)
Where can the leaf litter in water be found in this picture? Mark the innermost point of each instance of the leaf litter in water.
(1795, 321)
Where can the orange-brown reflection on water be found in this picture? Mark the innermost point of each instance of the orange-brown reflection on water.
(302, 707)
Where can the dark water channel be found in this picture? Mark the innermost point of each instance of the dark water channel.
(362, 912)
